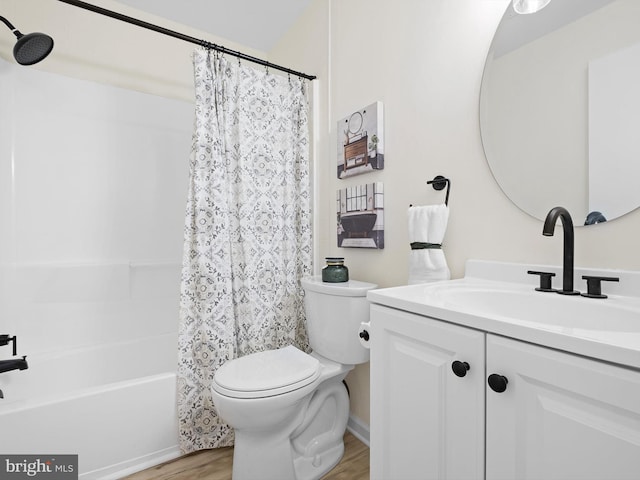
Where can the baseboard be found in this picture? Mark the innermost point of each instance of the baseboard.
(359, 429)
(123, 469)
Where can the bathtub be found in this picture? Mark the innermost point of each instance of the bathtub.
(113, 405)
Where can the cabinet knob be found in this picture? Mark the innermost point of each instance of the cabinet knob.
(460, 368)
(498, 383)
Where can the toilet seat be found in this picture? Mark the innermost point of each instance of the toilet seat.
(266, 374)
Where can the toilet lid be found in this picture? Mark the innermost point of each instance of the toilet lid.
(265, 374)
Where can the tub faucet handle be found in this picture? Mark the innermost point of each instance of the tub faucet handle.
(6, 339)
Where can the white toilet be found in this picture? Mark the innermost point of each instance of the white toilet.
(290, 409)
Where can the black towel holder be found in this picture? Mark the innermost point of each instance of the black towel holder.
(438, 183)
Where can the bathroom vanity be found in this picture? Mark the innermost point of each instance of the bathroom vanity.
(484, 377)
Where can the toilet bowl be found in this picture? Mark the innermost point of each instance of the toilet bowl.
(282, 433)
(289, 409)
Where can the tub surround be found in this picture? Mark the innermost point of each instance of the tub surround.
(92, 206)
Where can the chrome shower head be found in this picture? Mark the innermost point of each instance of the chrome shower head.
(30, 48)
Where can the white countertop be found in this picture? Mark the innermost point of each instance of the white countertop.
(620, 345)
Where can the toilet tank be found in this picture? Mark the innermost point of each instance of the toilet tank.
(334, 312)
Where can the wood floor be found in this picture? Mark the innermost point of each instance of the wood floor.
(216, 465)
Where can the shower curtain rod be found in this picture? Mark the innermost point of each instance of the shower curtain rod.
(181, 36)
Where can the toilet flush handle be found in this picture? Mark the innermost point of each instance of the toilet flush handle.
(363, 333)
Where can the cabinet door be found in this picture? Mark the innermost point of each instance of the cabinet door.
(426, 422)
(561, 416)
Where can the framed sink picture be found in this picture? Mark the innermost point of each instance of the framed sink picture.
(360, 216)
(361, 142)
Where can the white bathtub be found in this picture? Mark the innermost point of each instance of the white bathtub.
(113, 405)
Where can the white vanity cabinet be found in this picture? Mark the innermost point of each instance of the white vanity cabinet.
(561, 416)
(426, 422)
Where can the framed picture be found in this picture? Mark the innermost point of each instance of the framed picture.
(361, 142)
(360, 216)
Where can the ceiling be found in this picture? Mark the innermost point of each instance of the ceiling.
(257, 24)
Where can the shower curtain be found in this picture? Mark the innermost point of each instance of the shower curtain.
(247, 236)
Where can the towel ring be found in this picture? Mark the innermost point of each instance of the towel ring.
(438, 183)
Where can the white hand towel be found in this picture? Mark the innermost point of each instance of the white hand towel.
(427, 225)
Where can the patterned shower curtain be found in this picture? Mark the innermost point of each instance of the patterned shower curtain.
(247, 236)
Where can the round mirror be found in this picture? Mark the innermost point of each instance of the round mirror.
(560, 108)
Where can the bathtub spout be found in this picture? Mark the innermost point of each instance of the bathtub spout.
(14, 364)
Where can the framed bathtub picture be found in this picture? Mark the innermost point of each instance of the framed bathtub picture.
(360, 216)
(361, 141)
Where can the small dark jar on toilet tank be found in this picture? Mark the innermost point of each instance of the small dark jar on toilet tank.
(335, 270)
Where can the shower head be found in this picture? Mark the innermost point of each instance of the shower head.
(30, 48)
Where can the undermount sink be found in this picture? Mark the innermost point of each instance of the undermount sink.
(524, 304)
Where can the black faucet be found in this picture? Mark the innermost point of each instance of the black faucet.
(14, 364)
(567, 262)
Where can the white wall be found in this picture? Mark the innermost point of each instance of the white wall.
(424, 59)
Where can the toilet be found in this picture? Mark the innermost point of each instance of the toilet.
(289, 409)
